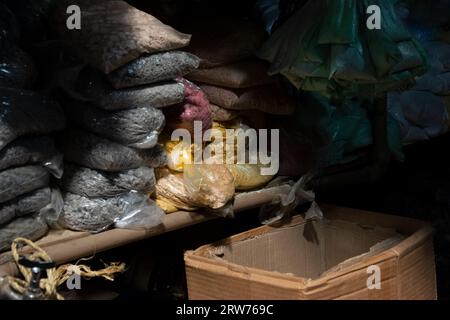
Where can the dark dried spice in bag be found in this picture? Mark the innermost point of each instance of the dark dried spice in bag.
(154, 68)
(18, 181)
(25, 113)
(16, 69)
(89, 150)
(115, 33)
(28, 150)
(32, 228)
(130, 210)
(92, 183)
(26, 204)
(138, 127)
(9, 29)
(94, 88)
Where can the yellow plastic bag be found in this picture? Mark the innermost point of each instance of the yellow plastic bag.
(200, 186)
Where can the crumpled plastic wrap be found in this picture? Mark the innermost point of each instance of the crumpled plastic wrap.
(32, 150)
(420, 115)
(32, 16)
(200, 186)
(16, 69)
(17, 181)
(283, 205)
(138, 128)
(91, 183)
(154, 68)
(95, 89)
(26, 204)
(24, 113)
(129, 211)
(92, 151)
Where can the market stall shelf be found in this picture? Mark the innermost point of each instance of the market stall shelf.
(64, 246)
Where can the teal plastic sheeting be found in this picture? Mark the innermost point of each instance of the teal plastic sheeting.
(327, 47)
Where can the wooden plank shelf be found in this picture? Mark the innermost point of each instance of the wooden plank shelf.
(64, 246)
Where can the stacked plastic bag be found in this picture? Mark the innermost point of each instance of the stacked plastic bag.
(112, 147)
(28, 157)
(212, 184)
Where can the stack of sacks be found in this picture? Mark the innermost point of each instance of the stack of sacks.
(27, 159)
(28, 156)
(231, 78)
(109, 164)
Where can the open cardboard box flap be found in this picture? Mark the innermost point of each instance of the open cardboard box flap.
(318, 259)
(307, 249)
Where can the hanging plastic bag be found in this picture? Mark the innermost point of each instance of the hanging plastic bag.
(30, 227)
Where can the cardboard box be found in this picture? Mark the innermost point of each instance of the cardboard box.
(351, 254)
